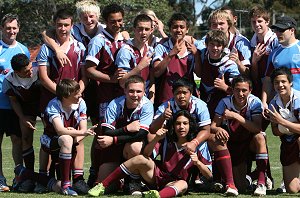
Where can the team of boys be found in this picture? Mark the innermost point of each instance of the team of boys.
(100, 63)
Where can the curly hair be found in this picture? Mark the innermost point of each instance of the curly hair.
(193, 128)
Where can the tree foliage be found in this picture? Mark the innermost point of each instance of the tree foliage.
(36, 15)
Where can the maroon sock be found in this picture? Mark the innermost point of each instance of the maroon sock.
(65, 165)
(223, 162)
(28, 157)
(261, 164)
(116, 175)
(168, 192)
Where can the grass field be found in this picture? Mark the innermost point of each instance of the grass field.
(273, 144)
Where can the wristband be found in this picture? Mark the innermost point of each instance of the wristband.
(195, 141)
(115, 140)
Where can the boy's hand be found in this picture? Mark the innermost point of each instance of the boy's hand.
(220, 84)
(91, 131)
(63, 59)
(176, 48)
(161, 133)
(133, 126)
(105, 141)
(222, 135)
(194, 157)
(168, 112)
(27, 123)
(259, 51)
(190, 46)
(229, 115)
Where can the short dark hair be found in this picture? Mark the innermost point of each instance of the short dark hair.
(110, 9)
(19, 61)
(9, 18)
(217, 36)
(66, 87)
(240, 79)
(141, 18)
(63, 14)
(178, 17)
(134, 79)
(183, 82)
(282, 71)
(193, 129)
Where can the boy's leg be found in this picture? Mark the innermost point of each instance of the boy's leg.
(27, 140)
(258, 144)
(79, 184)
(133, 167)
(291, 177)
(65, 156)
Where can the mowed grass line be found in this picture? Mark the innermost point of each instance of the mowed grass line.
(8, 166)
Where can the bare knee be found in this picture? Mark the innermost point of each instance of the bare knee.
(132, 149)
(259, 139)
(65, 141)
(181, 186)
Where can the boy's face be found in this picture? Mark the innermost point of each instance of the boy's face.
(282, 85)
(214, 50)
(63, 28)
(10, 31)
(114, 22)
(241, 92)
(142, 31)
(219, 24)
(74, 97)
(178, 30)
(25, 72)
(134, 94)
(182, 127)
(259, 25)
(89, 20)
(182, 97)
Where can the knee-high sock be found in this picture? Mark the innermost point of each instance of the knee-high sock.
(261, 163)
(65, 166)
(223, 162)
(169, 191)
(118, 174)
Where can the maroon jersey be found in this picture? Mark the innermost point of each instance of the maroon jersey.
(26, 90)
(102, 51)
(47, 57)
(177, 68)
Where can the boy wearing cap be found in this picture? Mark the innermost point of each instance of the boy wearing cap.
(286, 55)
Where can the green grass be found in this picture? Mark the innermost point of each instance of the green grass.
(273, 144)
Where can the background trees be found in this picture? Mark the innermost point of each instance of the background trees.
(36, 15)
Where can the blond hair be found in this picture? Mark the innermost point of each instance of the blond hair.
(87, 6)
(220, 14)
(148, 12)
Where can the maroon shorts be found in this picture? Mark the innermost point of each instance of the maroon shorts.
(113, 153)
(238, 146)
(289, 152)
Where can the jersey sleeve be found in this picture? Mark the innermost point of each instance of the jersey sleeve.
(146, 116)
(256, 107)
(244, 51)
(53, 110)
(220, 109)
(203, 114)
(82, 110)
(94, 48)
(42, 57)
(124, 56)
(159, 53)
(110, 115)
